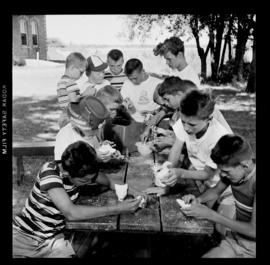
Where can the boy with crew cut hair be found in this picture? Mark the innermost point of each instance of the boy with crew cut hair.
(67, 88)
(173, 50)
(115, 74)
(138, 90)
(38, 231)
(200, 131)
(234, 158)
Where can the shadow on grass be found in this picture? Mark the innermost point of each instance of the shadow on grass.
(35, 120)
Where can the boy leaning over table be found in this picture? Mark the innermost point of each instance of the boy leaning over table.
(38, 231)
(200, 131)
(237, 167)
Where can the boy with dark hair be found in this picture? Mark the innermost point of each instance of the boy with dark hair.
(67, 88)
(95, 71)
(172, 90)
(234, 158)
(138, 90)
(115, 74)
(38, 229)
(200, 131)
(173, 50)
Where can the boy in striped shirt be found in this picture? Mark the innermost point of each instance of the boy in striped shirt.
(115, 74)
(38, 231)
(237, 167)
(67, 88)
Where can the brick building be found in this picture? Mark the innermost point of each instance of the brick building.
(29, 37)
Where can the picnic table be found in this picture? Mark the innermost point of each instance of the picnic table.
(162, 215)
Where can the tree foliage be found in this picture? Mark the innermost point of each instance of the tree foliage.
(218, 27)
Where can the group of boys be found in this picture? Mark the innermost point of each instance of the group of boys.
(220, 162)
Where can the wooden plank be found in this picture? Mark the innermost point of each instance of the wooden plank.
(174, 221)
(107, 223)
(140, 177)
(33, 148)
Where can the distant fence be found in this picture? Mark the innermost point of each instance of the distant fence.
(57, 61)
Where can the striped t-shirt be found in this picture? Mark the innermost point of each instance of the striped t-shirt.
(65, 86)
(244, 195)
(40, 218)
(115, 80)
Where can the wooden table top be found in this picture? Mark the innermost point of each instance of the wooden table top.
(161, 214)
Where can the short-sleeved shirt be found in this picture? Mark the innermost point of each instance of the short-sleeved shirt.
(65, 86)
(199, 150)
(90, 89)
(116, 81)
(188, 73)
(244, 196)
(141, 95)
(68, 135)
(40, 218)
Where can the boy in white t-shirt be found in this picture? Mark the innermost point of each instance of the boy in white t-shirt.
(200, 131)
(138, 90)
(173, 51)
(95, 71)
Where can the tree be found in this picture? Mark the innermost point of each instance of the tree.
(245, 24)
(251, 85)
(192, 25)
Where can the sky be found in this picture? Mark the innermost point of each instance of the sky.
(87, 29)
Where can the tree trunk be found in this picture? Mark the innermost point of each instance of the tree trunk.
(251, 85)
(230, 49)
(242, 37)
(223, 55)
(201, 52)
(203, 67)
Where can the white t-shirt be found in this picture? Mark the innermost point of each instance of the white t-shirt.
(66, 136)
(90, 89)
(199, 150)
(188, 73)
(141, 95)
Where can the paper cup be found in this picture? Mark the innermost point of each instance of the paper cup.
(121, 191)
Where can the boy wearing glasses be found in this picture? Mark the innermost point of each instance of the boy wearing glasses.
(67, 88)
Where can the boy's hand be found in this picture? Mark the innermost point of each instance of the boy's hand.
(144, 135)
(199, 211)
(130, 205)
(173, 177)
(190, 199)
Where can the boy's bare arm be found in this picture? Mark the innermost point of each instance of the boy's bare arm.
(82, 212)
(212, 193)
(203, 212)
(175, 152)
(205, 174)
(245, 228)
(179, 173)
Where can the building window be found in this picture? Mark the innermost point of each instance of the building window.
(23, 30)
(34, 33)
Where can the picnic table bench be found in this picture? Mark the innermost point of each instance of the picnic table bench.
(21, 149)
